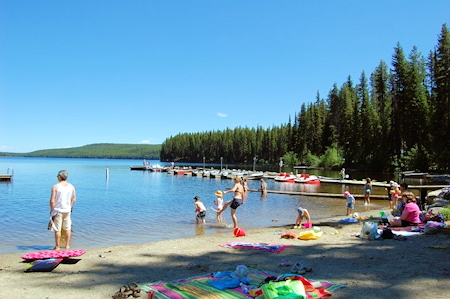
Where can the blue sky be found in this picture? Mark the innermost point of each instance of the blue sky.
(80, 72)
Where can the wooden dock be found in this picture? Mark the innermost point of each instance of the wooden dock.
(6, 177)
(423, 191)
(372, 196)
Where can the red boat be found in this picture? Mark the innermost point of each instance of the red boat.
(305, 178)
(285, 177)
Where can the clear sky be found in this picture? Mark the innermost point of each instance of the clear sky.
(80, 72)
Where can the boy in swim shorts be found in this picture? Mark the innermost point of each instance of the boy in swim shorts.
(200, 209)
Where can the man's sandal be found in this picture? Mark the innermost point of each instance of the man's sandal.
(135, 289)
(124, 292)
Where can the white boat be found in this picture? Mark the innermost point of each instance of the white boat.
(158, 168)
(285, 177)
(255, 176)
(305, 178)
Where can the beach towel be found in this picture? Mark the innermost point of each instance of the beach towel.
(274, 248)
(198, 287)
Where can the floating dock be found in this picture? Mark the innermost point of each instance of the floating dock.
(6, 177)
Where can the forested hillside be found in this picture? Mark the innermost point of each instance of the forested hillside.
(398, 117)
(101, 150)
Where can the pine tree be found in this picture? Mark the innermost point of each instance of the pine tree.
(440, 100)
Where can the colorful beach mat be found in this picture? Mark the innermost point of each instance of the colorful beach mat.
(274, 248)
(198, 287)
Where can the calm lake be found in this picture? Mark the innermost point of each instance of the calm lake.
(129, 207)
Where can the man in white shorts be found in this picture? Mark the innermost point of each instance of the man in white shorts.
(62, 199)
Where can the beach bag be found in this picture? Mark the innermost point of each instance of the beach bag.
(387, 233)
(370, 231)
(292, 289)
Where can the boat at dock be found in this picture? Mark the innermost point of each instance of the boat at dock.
(307, 179)
(286, 178)
(183, 171)
(145, 166)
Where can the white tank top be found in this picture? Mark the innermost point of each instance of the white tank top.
(63, 198)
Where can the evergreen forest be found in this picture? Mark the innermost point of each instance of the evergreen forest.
(396, 118)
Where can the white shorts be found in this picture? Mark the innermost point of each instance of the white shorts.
(62, 221)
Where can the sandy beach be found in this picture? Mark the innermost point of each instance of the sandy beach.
(418, 267)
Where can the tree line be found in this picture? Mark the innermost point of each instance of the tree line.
(396, 118)
(99, 151)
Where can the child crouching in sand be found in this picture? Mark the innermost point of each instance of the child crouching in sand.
(302, 213)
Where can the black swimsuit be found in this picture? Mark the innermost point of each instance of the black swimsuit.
(236, 201)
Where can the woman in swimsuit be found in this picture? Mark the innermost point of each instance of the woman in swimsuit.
(238, 199)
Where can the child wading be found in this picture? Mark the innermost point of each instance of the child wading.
(219, 204)
(200, 209)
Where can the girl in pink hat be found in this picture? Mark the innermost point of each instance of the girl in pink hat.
(350, 202)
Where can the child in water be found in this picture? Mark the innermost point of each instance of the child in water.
(219, 204)
(350, 202)
(200, 209)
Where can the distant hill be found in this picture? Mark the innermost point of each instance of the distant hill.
(99, 150)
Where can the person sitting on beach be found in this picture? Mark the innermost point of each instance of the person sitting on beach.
(302, 213)
(398, 210)
(200, 209)
(219, 204)
(367, 191)
(411, 212)
(350, 202)
(238, 199)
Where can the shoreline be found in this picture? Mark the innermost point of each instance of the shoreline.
(416, 268)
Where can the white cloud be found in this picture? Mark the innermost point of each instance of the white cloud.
(220, 114)
(145, 141)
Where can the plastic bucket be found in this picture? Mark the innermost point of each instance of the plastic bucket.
(307, 225)
(239, 232)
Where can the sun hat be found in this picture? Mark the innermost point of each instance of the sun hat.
(346, 194)
(219, 193)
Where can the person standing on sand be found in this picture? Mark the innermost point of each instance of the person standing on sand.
(62, 200)
(350, 202)
(367, 191)
(389, 189)
(238, 199)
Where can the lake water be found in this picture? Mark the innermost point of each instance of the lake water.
(129, 207)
